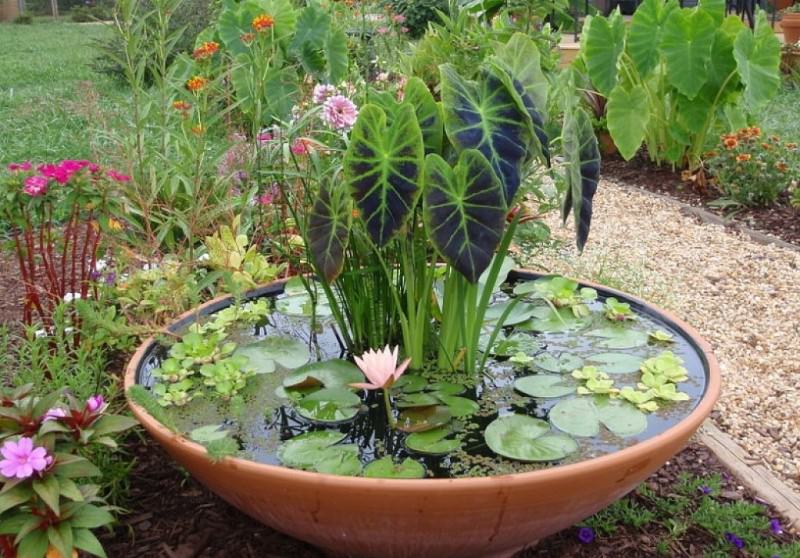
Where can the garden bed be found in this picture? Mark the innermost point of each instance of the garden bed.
(173, 516)
(780, 220)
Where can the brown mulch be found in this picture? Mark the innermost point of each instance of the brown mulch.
(173, 516)
(780, 220)
(11, 289)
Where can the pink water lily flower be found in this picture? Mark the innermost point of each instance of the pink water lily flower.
(22, 459)
(380, 368)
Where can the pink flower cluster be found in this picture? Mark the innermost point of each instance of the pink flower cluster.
(38, 184)
(21, 459)
(339, 112)
(323, 92)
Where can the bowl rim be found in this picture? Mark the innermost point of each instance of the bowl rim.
(617, 459)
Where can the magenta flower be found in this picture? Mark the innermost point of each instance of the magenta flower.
(339, 112)
(264, 137)
(380, 368)
(301, 146)
(95, 404)
(36, 185)
(20, 167)
(118, 177)
(22, 459)
(323, 92)
(54, 414)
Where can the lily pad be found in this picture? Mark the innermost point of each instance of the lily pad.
(386, 468)
(420, 419)
(616, 363)
(545, 385)
(419, 399)
(329, 405)
(546, 320)
(432, 442)
(525, 438)
(583, 416)
(339, 460)
(410, 383)
(303, 451)
(510, 345)
(286, 351)
(459, 406)
(297, 302)
(208, 433)
(617, 337)
(447, 388)
(521, 312)
(561, 363)
(329, 373)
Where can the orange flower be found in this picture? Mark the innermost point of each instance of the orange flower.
(182, 106)
(247, 38)
(196, 83)
(754, 132)
(205, 50)
(781, 166)
(730, 142)
(774, 139)
(355, 213)
(198, 129)
(263, 22)
(791, 146)
(710, 154)
(742, 157)
(765, 145)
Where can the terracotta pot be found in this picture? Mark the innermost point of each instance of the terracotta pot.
(607, 145)
(790, 23)
(779, 5)
(432, 518)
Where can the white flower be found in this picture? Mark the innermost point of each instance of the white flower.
(203, 257)
(40, 333)
(100, 265)
(69, 297)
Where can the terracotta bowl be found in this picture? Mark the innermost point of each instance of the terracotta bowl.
(432, 518)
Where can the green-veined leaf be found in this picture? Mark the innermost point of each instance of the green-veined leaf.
(329, 230)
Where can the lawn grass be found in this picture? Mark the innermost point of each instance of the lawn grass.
(780, 115)
(49, 95)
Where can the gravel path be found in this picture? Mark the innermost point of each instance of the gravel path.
(742, 296)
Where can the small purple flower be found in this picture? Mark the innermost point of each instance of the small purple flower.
(775, 526)
(94, 275)
(95, 404)
(54, 414)
(705, 490)
(111, 278)
(22, 459)
(734, 540)
(586, 535)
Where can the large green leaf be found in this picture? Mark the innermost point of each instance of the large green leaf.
(329, 230)
(714, 8)
(523, 59)
(627, 113)
(722, 68)
(603, 42)
(312, 28)
(236, 20)
(525, 438)
(464, 211)
(336, 58)
(429, 113)
(644, 34)
(582, 172)
(280, 94)
(486, 116)
(758, 57)
(383, 167)
(686, 47)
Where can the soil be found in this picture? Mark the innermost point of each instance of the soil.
(173, 516)
(11, 289)
(780, 220)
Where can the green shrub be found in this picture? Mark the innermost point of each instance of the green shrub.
(84, 14)
(24, 19)
(418, 13)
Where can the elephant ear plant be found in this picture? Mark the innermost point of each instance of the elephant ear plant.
(427, 200)
(676, 77)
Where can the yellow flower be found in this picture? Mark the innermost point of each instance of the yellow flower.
(114, 225)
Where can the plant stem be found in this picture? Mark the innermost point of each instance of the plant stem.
(387, 403)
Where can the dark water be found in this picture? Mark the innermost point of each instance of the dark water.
(264, 420)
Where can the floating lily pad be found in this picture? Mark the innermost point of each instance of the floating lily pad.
(507, 346)
(521, 312)
(303, 451)
(329, 405)
(545, 385)
(339, 460)
(616, 363)
(263, 355)
(297, 302)
(410, 383)
(619, 337)
(459, 406)
(386, 468)
(295, 394)
(432, 442)
(419, 399)
(546, 320)
(582, 416)
(447, 388)
(562, 363)
(420, 419)
(525, 438)
(329, 373)
(208, 433)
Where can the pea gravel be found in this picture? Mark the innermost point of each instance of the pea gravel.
(742, 296)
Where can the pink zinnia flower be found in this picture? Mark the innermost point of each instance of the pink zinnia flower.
(54, 414)
(339, 112)
(95, 404)
(264, 137)
(380, 368)
(17, 167)
(118, 177)
(399, 18)
(323, 92)
(22, 460)
(56, 172)
(301, 146)
(382, 30)
(35, 186)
